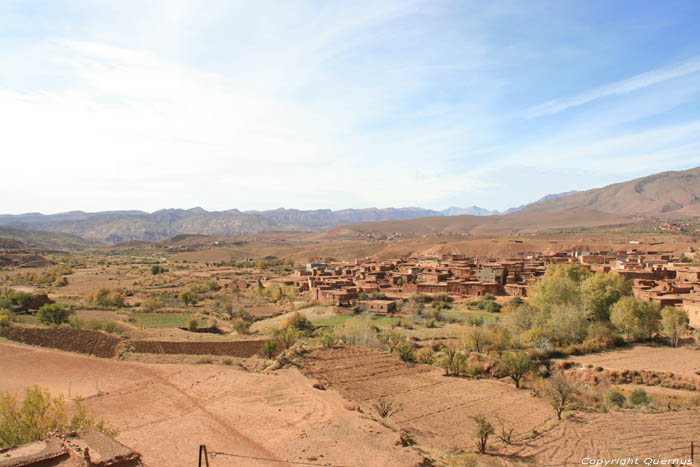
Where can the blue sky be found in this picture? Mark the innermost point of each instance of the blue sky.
(258, 105)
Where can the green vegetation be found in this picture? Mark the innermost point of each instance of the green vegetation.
(40, 414)
(483, 430)
(516, 365)
(53, 314)
(162, 320)
(673, 321)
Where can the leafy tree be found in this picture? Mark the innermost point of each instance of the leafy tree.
(453, 362)
(299, 322)
(287, 336)
(188, 297)
(406, 350)
(155, 269)
(476, 338)
(673, 320)
(636, 317)
(568, 323)
(53, 314)
(24, 300)
(560, 285)
(516, 365)
(560, 392)
(483, 430)
(601, 291)
(4, 318)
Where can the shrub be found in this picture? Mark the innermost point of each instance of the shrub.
(151, 304)
(4, 321)
(639, 397)
(53, 314)
(38, 415)
(483, 430)
(405, 350)
(299, 322)
(286, 336)
(192, 324)
(112, 327)
(75, 323)
(269, 348)
(614, 398)
(227, 361)
(205, 360)
(327, 340)
(94, 325)
(241, 326)
(385, 408)
(107, 298)
(426, 356)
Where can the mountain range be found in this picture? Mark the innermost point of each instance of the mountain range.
(666, 194)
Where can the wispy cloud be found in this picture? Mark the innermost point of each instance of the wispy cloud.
(635, 83)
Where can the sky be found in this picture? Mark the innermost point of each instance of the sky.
(132, 104)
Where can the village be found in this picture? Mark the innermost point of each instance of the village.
(377, 286)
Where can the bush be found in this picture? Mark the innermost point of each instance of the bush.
(107, 298)
(188, 297)
(483, 430)
(405, 350)
(614, 398)
(269, 348)
(426, 356)
(192, 324)
(75, 323)
(299, 322)
(38, 415)
(4, 321)
(385, 408)
(205, 360)
(639, 397)
(94, 325)
(227, 361)
(241, 326)
(53, 314)
(112, 328)
(327, 340)
(151, 304)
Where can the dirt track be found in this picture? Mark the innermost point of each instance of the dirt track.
(166, 411)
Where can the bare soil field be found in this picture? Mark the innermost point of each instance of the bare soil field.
(614, 435)
(240, 349)
(683, 360)
(436, 409)
(166, 411)
(73, 340)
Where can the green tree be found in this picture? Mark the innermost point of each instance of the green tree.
(561, 284)
(568, 323)
(635, 317)
(673, 321)
(188, 297)
(53, 314)
(516, 365)
(639, 397)
(601, 291)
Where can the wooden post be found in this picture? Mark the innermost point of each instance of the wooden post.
(692, 452)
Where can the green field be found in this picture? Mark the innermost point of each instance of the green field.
(162, 320)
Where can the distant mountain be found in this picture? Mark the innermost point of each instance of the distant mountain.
(44, 241)
(544, 198)
(123, 226)
(664, 194)
(470, 211)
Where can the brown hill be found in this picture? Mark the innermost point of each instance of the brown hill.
(664, 194)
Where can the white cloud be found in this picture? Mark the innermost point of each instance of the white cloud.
(626, 86)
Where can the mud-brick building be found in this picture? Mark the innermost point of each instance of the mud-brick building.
(378, 306)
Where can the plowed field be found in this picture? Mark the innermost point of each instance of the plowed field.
(436, 409)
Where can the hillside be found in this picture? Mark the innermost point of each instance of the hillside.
(664, 194)
(489, 225)
(42, 240)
